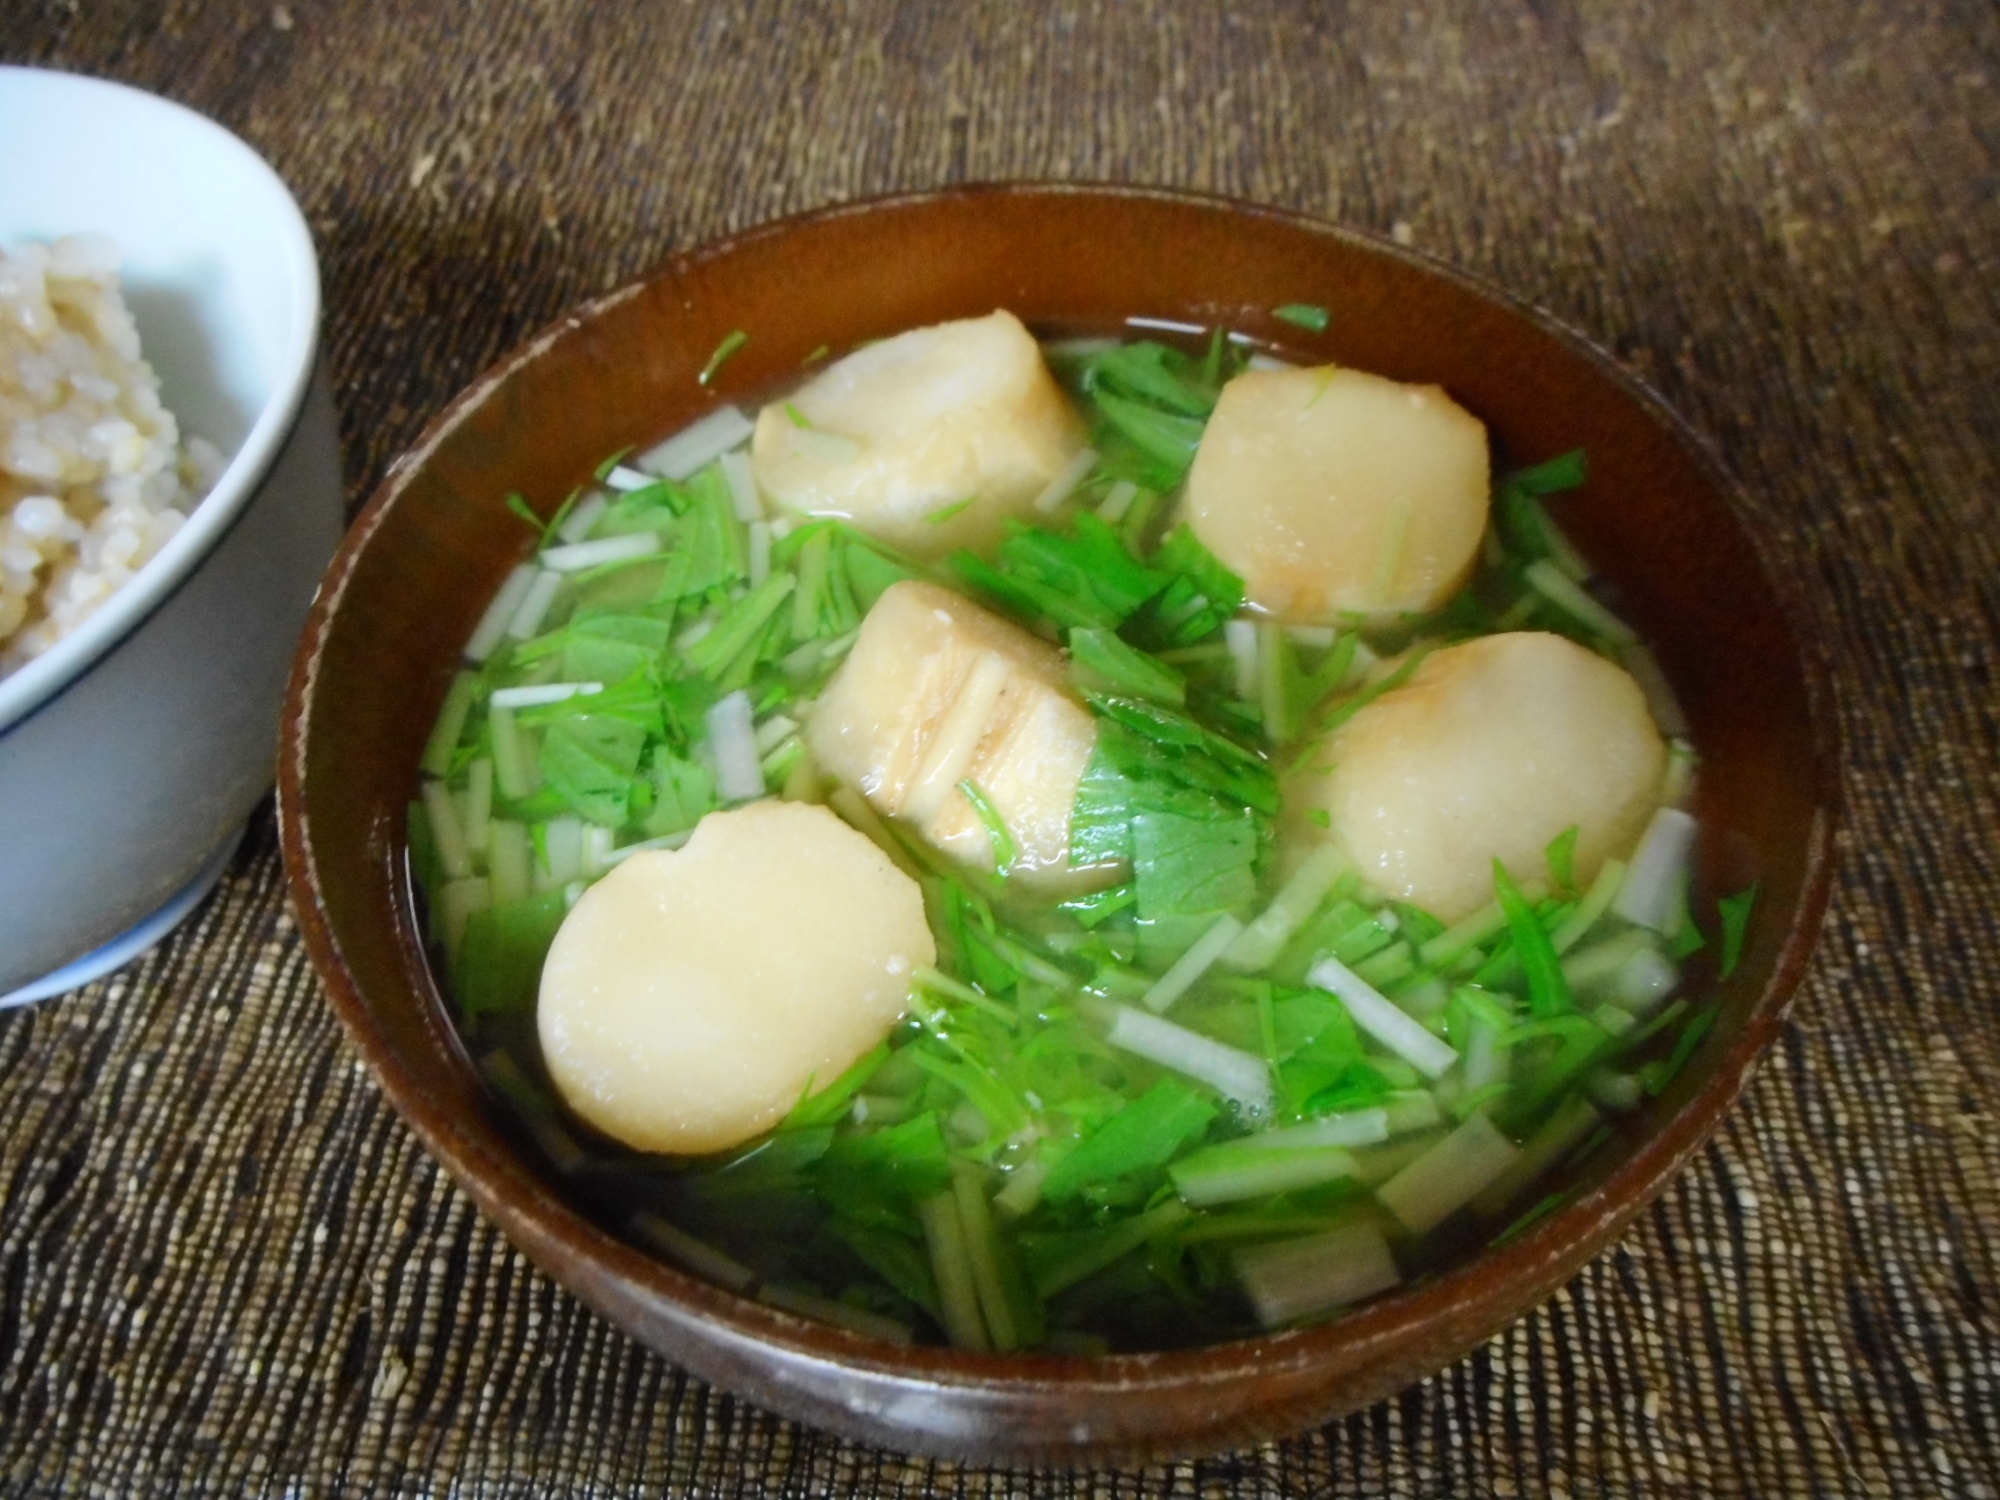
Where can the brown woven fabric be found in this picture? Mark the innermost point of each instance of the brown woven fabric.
(226, 1268)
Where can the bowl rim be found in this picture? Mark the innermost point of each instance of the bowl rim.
(38, 682)
(541, 1221)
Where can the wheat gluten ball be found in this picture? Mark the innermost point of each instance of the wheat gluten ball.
(930, 440)
(690, 997)
(939, 691)
(1491, 750)
(1333, 491)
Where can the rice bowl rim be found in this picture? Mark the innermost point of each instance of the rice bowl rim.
(35, 683)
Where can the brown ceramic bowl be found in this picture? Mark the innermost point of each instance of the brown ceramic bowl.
(1658, 518)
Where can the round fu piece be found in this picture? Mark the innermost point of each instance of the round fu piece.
(690, 998)
(1490, 751)
(1332, 491)
(930, 440)
(938, 692)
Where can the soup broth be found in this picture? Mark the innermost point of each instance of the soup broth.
(1204, 1070)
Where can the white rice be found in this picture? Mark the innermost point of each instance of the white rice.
(93, 476)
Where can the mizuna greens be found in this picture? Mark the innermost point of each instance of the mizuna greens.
(1229, 1092)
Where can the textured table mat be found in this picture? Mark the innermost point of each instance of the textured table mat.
(226, 1268)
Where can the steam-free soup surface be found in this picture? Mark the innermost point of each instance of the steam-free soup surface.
(1058, 906)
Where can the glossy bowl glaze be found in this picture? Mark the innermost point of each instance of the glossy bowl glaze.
(132, 751)
(1657, 518)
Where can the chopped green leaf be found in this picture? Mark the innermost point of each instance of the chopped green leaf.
(1735, 912)
(875, 1177)
(828, 1105)
(899, 1260)
(1565, 472)
(1200, 596)
(500, 960)
(735, 630)
(798, 417)
(1005, 850)
(590, 761)
(735, 339)
(1197, 756)
(1152, 373)
(526, 512)
(1100, 906)
(1100, 662)
(1302, 315)
(945, 512)
(1086, 579)
(1532, 1217)
(603, 470)
(1548, 989)
(1184, 867)
(1141, 1138)
(1687, 937)
(1355, 702)
(775, 1164)
(1169, 440)
(1657, 1075)
(683, 794)
(1562, 859)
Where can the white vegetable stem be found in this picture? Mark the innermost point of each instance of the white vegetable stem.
(577, 556)
(547, 692)
(562, 849)
(1559, 1135)
(439, 749)
(509, 860)
(447, 831)
(535, 602)
(951, 1264)
(975, 1217)
(1646, 671)
(690, 1253)
(1596, 901)
(584, 515)
(1565, 593)
(1359, 1127)
(1241, 638)
(1066, 479)
(1229, 1071)
(1375, 1014)
(1299, 1278)
(1237, 1172)
(738, 776)
(1298, 899)
(458, 902)
(619, 478)
(1117, 501)
(807, 1304)
(513, 771)
(1653, 883)
(1194, 963)
(694, 447)
(477, 804)
(1449, 1175)
(743, 496)
(493, 624)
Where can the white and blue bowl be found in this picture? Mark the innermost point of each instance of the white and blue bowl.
(132, 752)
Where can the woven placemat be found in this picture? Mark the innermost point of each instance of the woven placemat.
(226, 1268)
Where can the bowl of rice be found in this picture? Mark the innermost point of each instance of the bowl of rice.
(169, 492)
